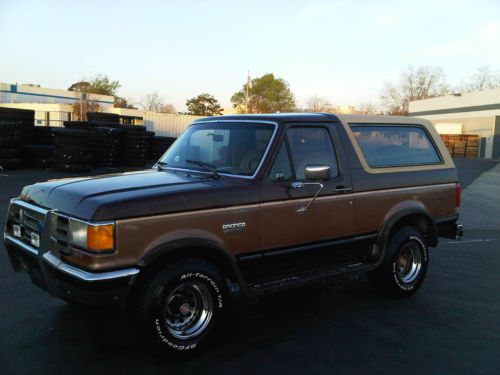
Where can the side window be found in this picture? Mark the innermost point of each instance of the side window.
(310, 146)
(386, 146)
(281, 170)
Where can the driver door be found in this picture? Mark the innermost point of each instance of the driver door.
(284, 223)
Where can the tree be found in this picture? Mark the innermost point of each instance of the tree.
(81, 108)
(154, 103)
(100, 84)
(366, 109)
(482, 79)
(203, 105)
(123, 103)
(318, 104)
(167, 108)
(414, 84)
(266, 94)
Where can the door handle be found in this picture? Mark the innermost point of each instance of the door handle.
(342, 189)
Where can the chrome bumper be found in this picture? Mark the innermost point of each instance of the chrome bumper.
(66, 281)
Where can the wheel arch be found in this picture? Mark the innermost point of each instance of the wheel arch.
(193, 248)
(411, 213)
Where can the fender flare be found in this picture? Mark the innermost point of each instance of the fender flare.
(404, 210)
(201, 247)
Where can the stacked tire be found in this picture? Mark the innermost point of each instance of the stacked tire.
(159, 145)
(134, 145)
(44, 135)
(72, 150)
(10, 144)
(25, 118)
(105, 146)
(38, 156)
(103, 117)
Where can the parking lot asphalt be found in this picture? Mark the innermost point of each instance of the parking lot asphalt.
(451, 326)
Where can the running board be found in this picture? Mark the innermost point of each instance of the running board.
(309, 276)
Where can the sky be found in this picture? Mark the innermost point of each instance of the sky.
(344, 51)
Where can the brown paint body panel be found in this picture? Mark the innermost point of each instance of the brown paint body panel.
(372, 209)
(154, 208)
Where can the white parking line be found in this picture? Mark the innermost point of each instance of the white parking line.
(469, 241)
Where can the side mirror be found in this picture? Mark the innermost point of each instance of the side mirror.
(317, 172)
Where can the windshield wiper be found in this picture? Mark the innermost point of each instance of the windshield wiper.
(206, 166)
(161, 164)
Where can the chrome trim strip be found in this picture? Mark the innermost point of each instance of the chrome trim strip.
(19, 202)
(22, 245)
(264, 156)
(92, 223)
(85, 275)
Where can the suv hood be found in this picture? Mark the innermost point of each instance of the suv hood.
(132, 194)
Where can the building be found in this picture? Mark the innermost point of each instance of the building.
(465, 113)
(52, 107)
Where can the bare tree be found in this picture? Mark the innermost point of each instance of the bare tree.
(366, 109)
(167, 108)
(152, 102)
(482, 79)
(319, 104)
(414, 84)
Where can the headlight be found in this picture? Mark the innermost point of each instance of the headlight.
(93, 237)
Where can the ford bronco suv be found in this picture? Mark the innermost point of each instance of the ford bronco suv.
(241, 206)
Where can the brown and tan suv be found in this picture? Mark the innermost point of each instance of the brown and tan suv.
(241, 205)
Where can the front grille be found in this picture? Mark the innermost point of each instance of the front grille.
(60, 235)
(30, 218)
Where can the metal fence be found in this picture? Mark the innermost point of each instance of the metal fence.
(167, 125)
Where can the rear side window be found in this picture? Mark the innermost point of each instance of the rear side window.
(390, 146)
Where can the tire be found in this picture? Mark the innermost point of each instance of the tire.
(168, 297)
(65, 132)
(133, 128)
(9, 153)
(9, 164)
(73, 168)
(397, 277)
(6, 140)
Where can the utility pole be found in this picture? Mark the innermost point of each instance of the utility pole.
(249, 83)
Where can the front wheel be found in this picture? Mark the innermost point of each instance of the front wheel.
(405, 265)
(180, 308)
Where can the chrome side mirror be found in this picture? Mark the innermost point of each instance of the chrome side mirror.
(317, 172)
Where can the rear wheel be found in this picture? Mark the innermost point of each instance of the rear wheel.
(180, 307)
(405, 266)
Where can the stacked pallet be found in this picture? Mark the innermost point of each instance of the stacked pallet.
(462, 145)
(472, 147)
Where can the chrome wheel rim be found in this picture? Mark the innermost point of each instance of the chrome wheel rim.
(409, 263)
(188, 310)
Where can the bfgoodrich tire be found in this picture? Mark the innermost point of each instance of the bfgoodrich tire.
(180, 307)
(405, 265)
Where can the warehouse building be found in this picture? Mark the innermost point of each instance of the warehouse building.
(470, 113)
(52, 107)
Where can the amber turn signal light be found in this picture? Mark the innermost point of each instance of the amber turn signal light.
(100, 237)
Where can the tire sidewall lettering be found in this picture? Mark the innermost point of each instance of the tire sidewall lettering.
(163, 335)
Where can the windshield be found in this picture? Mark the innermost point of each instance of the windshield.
(231, 148)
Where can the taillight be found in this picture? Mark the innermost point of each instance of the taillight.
(458, 191)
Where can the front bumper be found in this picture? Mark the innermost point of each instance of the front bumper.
(63, 280)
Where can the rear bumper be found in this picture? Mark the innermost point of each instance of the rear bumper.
(63, 280)
(448, 228)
